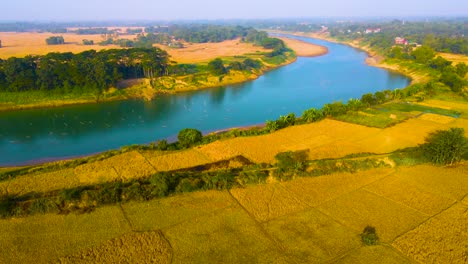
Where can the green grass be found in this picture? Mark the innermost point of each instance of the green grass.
(390, 114)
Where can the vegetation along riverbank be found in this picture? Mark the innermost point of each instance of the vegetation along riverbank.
(142, 72)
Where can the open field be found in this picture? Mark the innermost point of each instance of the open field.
(455, 58)
(203, 52)
(23, 44)
(304, 49)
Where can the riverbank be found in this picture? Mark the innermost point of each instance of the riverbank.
(374, 58)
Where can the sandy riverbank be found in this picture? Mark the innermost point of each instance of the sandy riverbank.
(304, 49)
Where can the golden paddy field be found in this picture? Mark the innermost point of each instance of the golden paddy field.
(310, 220)
(419, 211)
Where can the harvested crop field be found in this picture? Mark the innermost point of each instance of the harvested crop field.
(203, 52)
(22, 44)
(148, 247)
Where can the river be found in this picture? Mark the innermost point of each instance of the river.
(30, 136)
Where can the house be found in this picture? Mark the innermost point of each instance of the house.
(401, 41)
(373, 30)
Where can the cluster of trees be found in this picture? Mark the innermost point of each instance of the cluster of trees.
(446, 146)
(55, 40)
(88, 42)
(93, 31)
(201, 33)
(452, 76)
(442, 36)
(217, 67)
(86, 71)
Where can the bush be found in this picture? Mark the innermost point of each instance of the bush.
(189, 136)
(216, 67)
(445, 146)
(312, 115)
(42, 206)
(162, 145)
(369, 236)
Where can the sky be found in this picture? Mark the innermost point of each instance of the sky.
(102, 10)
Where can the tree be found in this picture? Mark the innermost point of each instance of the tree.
(369, 236)
(445, 146)
(461, 69)
(216, 67)
(189, 136)
(423, 54)
(55, 40)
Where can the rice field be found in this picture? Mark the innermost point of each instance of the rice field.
(38, 183)
(46, 238)
(230, 236)
(176, 160)
(376, 254)
(449, 182)
(318, 190)
(148, 247)
(403, 192)
(268, 201)
(312, 237)
(442, 239)
(163, 213)
(360, 208)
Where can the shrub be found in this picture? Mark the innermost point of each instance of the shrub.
(162, 145)
(445, 146)
(369, 236)
(312, 115)
(189, 136)
(42, 206)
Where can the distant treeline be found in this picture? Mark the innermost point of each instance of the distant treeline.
(86, 71)
(440, 36)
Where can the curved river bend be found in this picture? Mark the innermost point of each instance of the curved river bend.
(43, 134)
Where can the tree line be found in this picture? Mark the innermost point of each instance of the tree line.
(86, 71)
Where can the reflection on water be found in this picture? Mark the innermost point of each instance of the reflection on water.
(84, 129)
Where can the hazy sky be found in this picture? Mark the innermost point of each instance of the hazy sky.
(72, 10)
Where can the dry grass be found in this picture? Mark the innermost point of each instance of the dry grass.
(361, 208)
(176, 160)
(22, 44)
(442, 239)
(203, 52)
(449, 182)
(39, 182)
(44, 238)
(268, 201)
(312, 237)
(304, 49)
(376, 254)
(149, 247)
(318, 190)
(403, 192)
